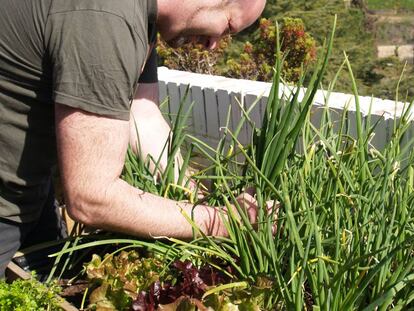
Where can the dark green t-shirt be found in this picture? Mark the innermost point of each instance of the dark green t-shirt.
(85, 54)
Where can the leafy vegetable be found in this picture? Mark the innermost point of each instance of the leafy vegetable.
(185, 287)
(118, 280)
(23, 295)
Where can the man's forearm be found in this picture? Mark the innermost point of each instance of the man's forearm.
(122, 208)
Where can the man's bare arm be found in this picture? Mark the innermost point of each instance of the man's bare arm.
(91, 151)
(148, 123)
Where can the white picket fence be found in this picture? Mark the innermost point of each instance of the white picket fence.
(212, 96)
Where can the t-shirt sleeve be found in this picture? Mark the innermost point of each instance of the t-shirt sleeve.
(150, 74)
(95, 58)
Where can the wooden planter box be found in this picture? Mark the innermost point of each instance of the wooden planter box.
(14, 272)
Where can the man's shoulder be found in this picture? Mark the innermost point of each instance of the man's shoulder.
(127, 9)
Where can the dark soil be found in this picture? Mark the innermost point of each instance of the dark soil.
(73, 292)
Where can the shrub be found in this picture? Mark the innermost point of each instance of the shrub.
(192, 57)
(258, 58)
(299, 46)
(22, 295)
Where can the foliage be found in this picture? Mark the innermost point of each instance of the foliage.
(118, 280)
(128, 282)
(22, 295)
(390, 4)
(355, 35)
(256, 61)
(255, 248)
(192, 57)
(299, 47)
(382, 73)
(185, 284)
(258, 58)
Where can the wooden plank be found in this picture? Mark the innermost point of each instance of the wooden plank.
(162, 91)
(237, 101)
(211, 108)
(389, 125)
(408, 136)
(213, 112)
(316, 115)
(378, 140)
(14, 272)
(66, 306)
(336, 118)
(163, 97)
(351, 124)
(407, 141)
(174, 100)
(254, 115)
(223, 104)
(262, 108)
(185, 100)
(199, 111)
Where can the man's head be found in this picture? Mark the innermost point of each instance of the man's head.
(204, 21)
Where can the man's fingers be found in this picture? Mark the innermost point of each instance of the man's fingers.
(272, 204)
(249, 203)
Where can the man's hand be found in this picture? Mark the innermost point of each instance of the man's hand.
(247, 201)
